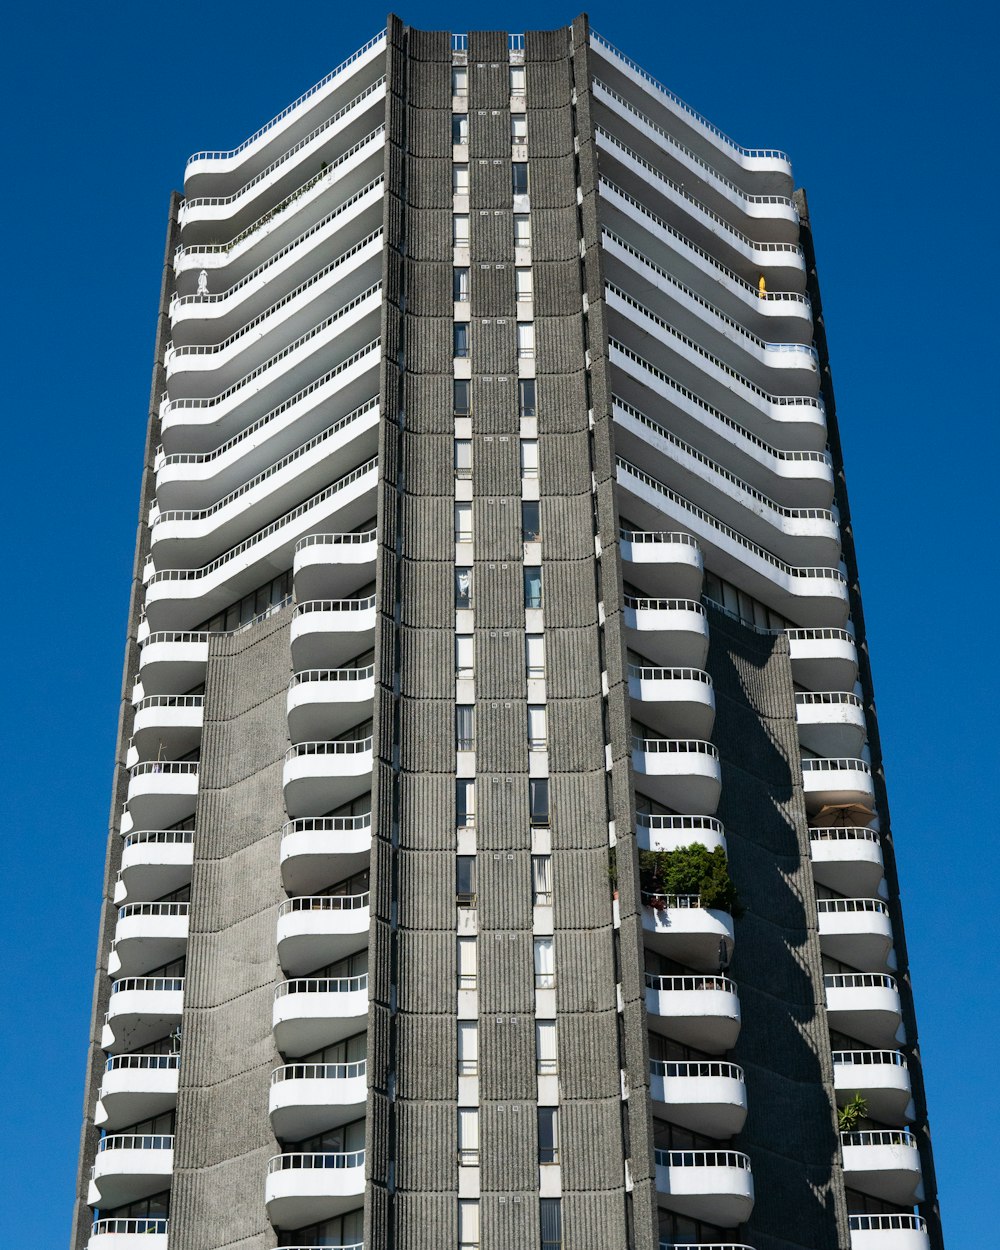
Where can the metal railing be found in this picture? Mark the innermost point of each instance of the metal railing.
(164, 766)
(319, 1071)
(835, 906)
(335, 605)
(153, 909)
(322, 985)
(682, 902)
(820, 633)
(688, 984)
(153, 985)
(324, 902)
(136, 1141)
(658, 536)
(332, 675)
(164, 837)
(139, 1224)
(345, 746)
(832, 697)
(641, 604)
(863, 1058)
(674, 746)
(702, 1159)
(278, 117)
(844, 833)
(175, 635)
(335, 540)
(170, 700)
(326, 824)
(117, 1063)
(331, 1159)
(645, 673)
(836, 765)
(690, 824)
(859, 981)
(879, 1137)
(670, 1068)
(869, 1223)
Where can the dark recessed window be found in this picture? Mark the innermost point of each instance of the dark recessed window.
(460, 392)
(526, 397)
(531, 526)
(460, 338)
(532, 587)
(519, 177)
(538, 800)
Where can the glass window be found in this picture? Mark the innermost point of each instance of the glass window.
(463, 458)
(519, 128)
(468, 1047)
(550, 1218)
(519, 177)
(460, 179)
(526, 393)
(529, 456)
(522, 230)
(463, 588)
(463, 655)
(517, 80)
(460, 339)
(460, 80)
(538, 800)
(460, 284)
(463, 522)
(465, 880)
(461, 389)
(534, 653)
(532, 587)
(531, 526)
(465, 803)
(467, 963)
(468, 1137)
(465, 727)
(548, 1134)
(545, 976)
(468, 1224)
(546, 1047)
(537, 739)
(525, 340)
(460, 127)
(541, 880)
(460, 229)
(523, 284)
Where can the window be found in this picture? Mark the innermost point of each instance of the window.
(523, 285)
(541, 880)
(529, 456)
(546, 1047)
(534, 655)
(463, 459)
(463, 588)
(525, 340)
(518, 128)
(526, 391)
(466, 963)
(460, 389)
(545, 977)
(538, 800)
(548, 1134)
(463, 522)
(460, 285)
(460, 127)
(532, 587)
(468, 1047)
(537, 739)
(465, 880)
(519, 177)
(460, 339)
(460, 180)
(468, 1225)
(465, 803)
(463, 655)
(468, 1137)
(460, 229)
(517, 77)
(550, 1218)
(460, 80)
(522, 230)
(531, 526)
(465, 727)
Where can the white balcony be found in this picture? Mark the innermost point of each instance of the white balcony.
(667, 564)
(700, 1011)
(837, 782)
(881, 1076)
(319, 929)
(655, 832)
(321, 776)
(678, 926)
(684, 774)
(309, 1098)
(884, 1163)
(155, 862)
(330, 566)
(318, 849)
(305, 1188)
(144, 1233)
(328, 701)
(857, 931)
(136, 1087)
(148, 935)
(173, 661)
(311, 1012)
(326, 632)
(889, 1232)
(711, 1185)
(162, 792)
(170, 721)
(141, 1010)
(129, 1167)
(671, 631)
(830, 722)
(864, 1005)
(823, 659)
(674, 700)
(706, 1097)
(847, 859)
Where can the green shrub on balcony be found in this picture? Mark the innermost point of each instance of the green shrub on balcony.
(690, 869)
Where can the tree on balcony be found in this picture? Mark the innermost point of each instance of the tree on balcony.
(690, 869)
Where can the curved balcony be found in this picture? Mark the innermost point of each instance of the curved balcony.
(682, 773)
(309, 1098)
(172, 661)
(884, 1163)
(889, 1232)
(310, 1012)
(329, 701)
(834, 782)
(881, 1076)
(329, 566)
(856, 931)
(326, 632)
(172, 721)
(665, 563)
(847, 859)
(830, 722)
(823, 659)
(706, 1097)
(148, 935)
(156, 862)
(674, 700)
(162, 792)
(136, 1087)
(679, 927)
(864, 1005)
(321, 776)
(711, 1185)
(130, 1166)
(319, 929)
(143, 1233)
(141, 1010)
(655, 832)
(305, 1188)
(317, 849)
(671, 630)
(700, 1011)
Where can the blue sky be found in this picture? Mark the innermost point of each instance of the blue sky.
(889, 113)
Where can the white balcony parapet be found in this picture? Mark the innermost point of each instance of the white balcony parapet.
(827, 906)
(707, 1096)
(866, 1005)
(310, 1012)
(135, 1087)
(882, 1076)
(841, 779)
(123, 1234)
(847, 858)
(658, 832)
(701, 1011)
(307, 1098)
(129, 1166)
(306, 1188)
(883, 1162)
(681, 926)
(714, 1185)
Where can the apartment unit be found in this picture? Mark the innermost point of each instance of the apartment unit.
(500, 856)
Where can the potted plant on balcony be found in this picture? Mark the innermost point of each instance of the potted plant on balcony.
(850, 1115)
(690, 869)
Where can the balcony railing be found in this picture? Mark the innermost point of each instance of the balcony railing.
(832, 905)
(148, 984)
(173, 767)
(686, 984)
(687, 824)
(170, 700)
(873, 1223)
(136, 1141)
(126, 1227)
(658, 536)
(821, 634)
(836, 765)
(832, 698)
(843, 833)
(163, 837)
(350, 1159)
(324, 902)
(861, 1058)
(879, 1137)
(670, 1068)
(674, 746)
(859, 981)
(332, 674)
(348, 746)
(335, 605)
(322, 985)
(648, 673)
(335, 540)
(153, 909)
(661, 902)
(142, 1062)
(319, 1071)
(327, 824)
(702, 1159)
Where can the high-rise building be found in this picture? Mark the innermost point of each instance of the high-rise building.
(500, 855)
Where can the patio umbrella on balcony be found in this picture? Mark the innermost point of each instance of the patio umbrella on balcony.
(843, 815)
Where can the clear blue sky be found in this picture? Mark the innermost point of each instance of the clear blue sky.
(889, 112)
